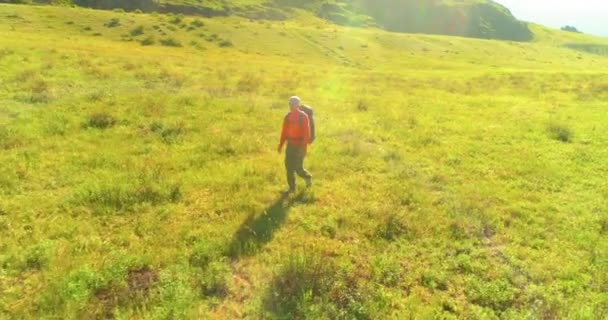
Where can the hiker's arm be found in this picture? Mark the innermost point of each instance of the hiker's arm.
(283, 136)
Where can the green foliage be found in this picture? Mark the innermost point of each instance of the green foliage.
(101, 120)
(113, 23)
(387, 269)
(225, 44)
(177, 19)
(395, 226)
(570, 29)
(37, 256)
(148, 41)
(593, 48)
(560, 132)
(497, 295)
(137, 31)
(214, 279)
(170, 42)
(203, 253)
(116, 196)
(131, 5)
(308, 287)
(197, 23)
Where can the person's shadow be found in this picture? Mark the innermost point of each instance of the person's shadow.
(258, 229)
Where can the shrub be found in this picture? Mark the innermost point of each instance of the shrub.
(170, 42)
(225, 44)
(560, 132)
(387, 270)
(197, 23)
(395, 226)
(139, 30)
(215, 278)
(40, 91)
(37, 256)
(362, 106)
(498, 295)
(177, 19)
(314, 287)
(112, 23)
(148, 41)
(101, 120)
(570, 29)
(203, 253)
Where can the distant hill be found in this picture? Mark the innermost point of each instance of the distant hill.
(468, 18)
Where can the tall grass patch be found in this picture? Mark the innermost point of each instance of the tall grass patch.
(310, 286)
(122, 193)
(560, 132)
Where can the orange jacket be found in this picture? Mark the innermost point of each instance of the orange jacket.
(296, 129)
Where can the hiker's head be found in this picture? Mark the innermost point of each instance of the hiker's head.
(294, 102)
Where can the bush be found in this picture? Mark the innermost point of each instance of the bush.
(395, 226)
(570, 29)
(40, 91)
(113, 23)
(170, 42)
(148, 41)
(177, 19)
(139, 30)
(498, 295)
(101, 120)
(225, 44)
(560, 132)
(387, 270)
(203, 254)
(37, 256)
(197, 23)
(215, 278)
(314, 287)
(362, 106)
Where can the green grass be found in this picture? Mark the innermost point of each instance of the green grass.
(454, 178)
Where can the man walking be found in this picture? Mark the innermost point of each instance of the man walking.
(296, 131)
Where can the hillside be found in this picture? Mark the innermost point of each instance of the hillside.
(454, 178)
(470, 18)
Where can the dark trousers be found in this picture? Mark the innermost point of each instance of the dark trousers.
(294, 163)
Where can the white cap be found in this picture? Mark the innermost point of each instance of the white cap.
(295, 100)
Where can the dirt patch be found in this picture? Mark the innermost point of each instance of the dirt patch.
(138, 283)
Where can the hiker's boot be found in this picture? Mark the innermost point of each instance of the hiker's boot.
(290, 190)
(308, 182)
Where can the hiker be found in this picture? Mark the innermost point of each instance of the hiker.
(298, 131)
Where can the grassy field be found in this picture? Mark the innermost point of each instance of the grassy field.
(454, 178)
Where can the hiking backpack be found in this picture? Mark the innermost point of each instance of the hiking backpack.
(308, 110)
